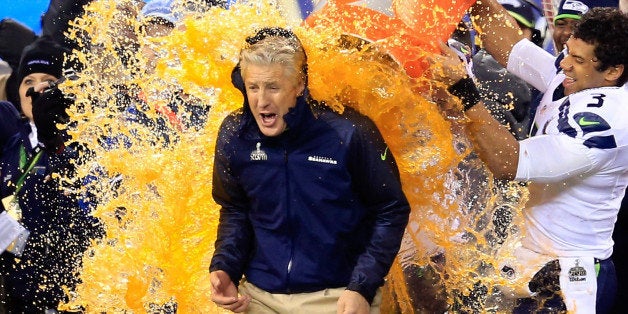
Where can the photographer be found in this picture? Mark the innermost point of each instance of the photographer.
(58, 229)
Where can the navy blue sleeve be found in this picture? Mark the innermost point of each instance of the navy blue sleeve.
(235, 234)
(376, 178)
(9, 121)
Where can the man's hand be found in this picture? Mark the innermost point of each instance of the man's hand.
(351, 302)
(225, 293)
(446, 67)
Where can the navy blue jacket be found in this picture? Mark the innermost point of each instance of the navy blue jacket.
(320, 206)
(59, 229)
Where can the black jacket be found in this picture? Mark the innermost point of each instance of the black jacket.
(60, 229)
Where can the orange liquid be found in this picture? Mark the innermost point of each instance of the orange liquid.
(157, 249)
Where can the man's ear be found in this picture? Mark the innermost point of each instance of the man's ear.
(613, 73)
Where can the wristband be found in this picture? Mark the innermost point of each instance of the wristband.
(466, 90)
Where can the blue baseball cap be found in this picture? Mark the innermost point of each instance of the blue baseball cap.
(574, 9)
(160, 9)
(522, 11)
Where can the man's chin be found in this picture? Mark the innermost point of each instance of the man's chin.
(569, 88)
(272, 131)
(567, 92)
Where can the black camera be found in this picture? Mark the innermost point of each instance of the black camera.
(68, 74)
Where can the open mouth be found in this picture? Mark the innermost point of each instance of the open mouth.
(268, 118)
(568, 81)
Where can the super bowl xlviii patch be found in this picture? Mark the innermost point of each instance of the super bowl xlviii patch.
(577, 273)
(258, 153)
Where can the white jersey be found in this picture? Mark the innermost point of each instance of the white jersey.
(576, 161)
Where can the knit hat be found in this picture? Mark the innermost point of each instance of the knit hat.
(160, 9)
(42, 56)
(574, 9)
(522, 11)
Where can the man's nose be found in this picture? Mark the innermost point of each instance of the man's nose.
(565, 63)
(263, 98)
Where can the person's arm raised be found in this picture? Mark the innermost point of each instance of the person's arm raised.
(498, 30)
(492, 141)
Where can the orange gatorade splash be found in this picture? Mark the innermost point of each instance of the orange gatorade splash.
(152, 185)
(414, 29)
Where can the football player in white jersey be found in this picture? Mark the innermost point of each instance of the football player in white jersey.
(576, 160)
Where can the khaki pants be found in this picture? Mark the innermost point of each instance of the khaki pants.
(319, 302)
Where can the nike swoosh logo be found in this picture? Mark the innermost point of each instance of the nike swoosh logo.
(383, 156)
(584, 122)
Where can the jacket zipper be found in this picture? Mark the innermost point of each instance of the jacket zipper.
(289, 267)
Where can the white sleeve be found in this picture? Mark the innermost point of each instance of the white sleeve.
(553, 158)
(532, 64)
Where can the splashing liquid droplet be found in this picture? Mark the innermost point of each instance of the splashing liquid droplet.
(152, 161)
